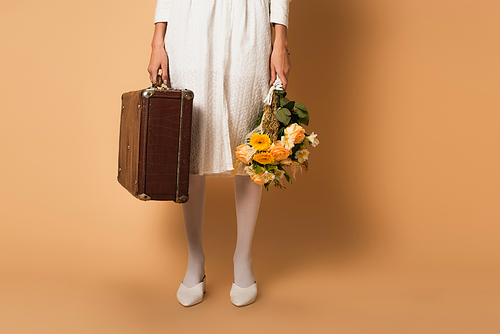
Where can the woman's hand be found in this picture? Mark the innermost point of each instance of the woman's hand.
(159, 58)
(280, 60)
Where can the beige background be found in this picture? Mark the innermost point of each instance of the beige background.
(394, 230)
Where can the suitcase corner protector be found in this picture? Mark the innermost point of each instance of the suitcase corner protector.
(148, 92)
(182, 199)
(188, 94)
(143, 197)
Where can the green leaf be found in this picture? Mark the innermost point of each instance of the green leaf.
(300, 106)
(258, 169)
(287, 177)
(289, 105)
(283, 115)
(294, 117)
(305, 120)
(294, 150)
(283, 101)
(286, 111)
(280, 93)
(267, 185)
(301, 113)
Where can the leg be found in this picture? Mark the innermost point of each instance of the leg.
(193, 211)
(247, 195)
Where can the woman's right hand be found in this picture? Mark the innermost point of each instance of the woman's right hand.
(159, 58)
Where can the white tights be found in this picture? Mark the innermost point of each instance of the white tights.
(247, 196)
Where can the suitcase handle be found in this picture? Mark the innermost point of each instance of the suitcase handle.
(159, 83)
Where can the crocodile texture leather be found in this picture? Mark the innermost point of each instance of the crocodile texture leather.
(155, 140)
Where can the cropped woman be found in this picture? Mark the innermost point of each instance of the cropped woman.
(223, 51)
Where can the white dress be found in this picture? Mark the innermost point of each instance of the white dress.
(220, 50)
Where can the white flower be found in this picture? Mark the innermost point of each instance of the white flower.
(287, 142)
(278, 173)
(249, 170)
(302, 154)
(312, 139)
(267, 176)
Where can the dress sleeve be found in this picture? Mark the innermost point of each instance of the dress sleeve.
(279, 11)
(162, 10)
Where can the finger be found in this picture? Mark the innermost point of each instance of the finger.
(152, 74)
(164, 77)
(273, 74)
(284, 79)
(164, 72)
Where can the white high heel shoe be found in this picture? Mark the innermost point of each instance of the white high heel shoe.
(193, 295)
(243, 296)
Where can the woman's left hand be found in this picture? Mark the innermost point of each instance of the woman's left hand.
(280, 60)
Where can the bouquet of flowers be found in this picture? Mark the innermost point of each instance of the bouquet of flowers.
(278, 141)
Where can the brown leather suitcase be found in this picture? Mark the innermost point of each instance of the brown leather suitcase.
(155, 143)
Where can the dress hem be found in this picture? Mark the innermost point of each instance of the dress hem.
(226, 173)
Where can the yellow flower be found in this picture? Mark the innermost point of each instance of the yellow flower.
(260, 142)
(264, 158)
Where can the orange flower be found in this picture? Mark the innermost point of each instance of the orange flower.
(296, 131)
(264, 158)
(257, 178)
(278, 151)
(242, 152)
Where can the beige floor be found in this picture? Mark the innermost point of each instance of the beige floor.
(93, 274)
(313, 299)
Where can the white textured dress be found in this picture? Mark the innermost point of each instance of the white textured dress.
(220, 49)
